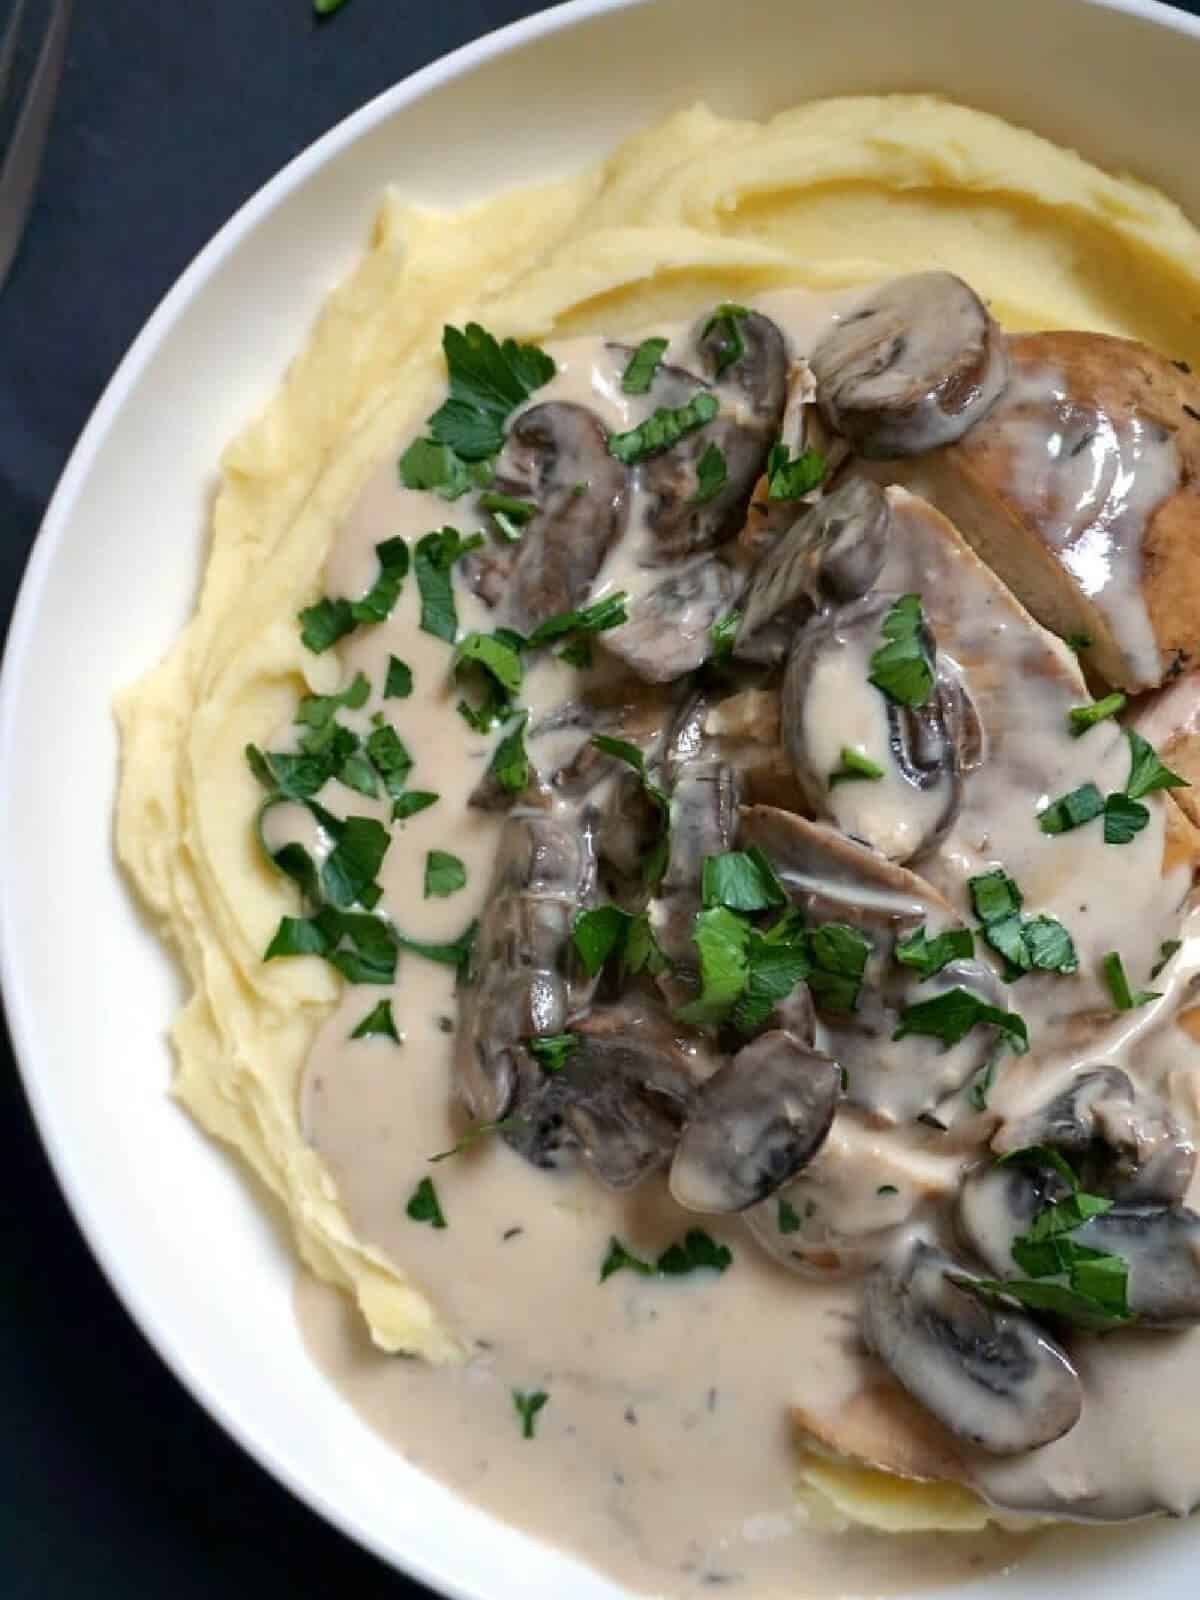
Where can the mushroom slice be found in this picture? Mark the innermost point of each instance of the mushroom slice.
(990, 1375)
(833, 552)
(1121, 1141)
(703, 821)
(833, 879)
(916, 365)
(756, 376)
(667, 634)
(754, 1124)
(829, 706)
(551, 449)
(1161, 1247)
(522, 982)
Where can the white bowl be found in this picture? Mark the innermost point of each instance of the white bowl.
(184, 1241)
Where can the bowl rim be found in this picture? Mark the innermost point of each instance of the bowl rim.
(138, 1303)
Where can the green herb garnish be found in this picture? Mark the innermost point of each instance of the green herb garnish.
(429, 465)
(722, 939)
(424, 1205)
(1147, 772)
(1124, 998)
(698, 1249)
(1075, 642)
(723, 633)
(528, 1406)
(597, 618)
(664, 429)
(1072, 810)
(510, 764)
(791, 477)
(378, 1021)
(488, 381)
(787, 1218)
(741, 880)
(643, 364)
(444, 875)
(508, 513)
(732, 347)
(599, 934)
(712, 474)
(1124, 819)
(1165, 951)
(1081, 718)
(854, 766)
(412, 801)
(929, 956)
(398, 684)
(433, 561)
(902, 667)
(1027, 943)
(951, 1016)
(552, 1050)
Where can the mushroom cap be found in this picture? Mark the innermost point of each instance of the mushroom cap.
(915, 366)
(990, 1375)
(552, 448)
(833, 551)
(754, 1124)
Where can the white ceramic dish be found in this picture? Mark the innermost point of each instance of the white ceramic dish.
(184, 1240)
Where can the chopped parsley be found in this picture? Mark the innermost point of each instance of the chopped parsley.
(510, 763)
(488, 381)
(853, 767)
(363, 948)
(479, 1130)
(664, 429)
(495, 656)
(1147, 772)
(527, 1408)
(429, 465)
(552, 1051)
(508, 513)
(902, 667)
(1027, 944)
(731, 345)
(444, 875)
(433, 561)
(1075, 642)
(599, 934)
(323, 624)
(697, 1250)
(787, 1218)
(398, 684)
(1072, 810)
(424, 1205)
(928, 956)
(722, 941)
(723, 633)
(791, 477)
(454, 953)
(951, 1016)
(712, 474)
(643, 364)
(597, 618)
(656, 861)
(1123, 818)
(378, 1021)
(1124, 998)
(348, 871)
(410, 802)
(741, 880)
(1165, 951)
(1081, 718)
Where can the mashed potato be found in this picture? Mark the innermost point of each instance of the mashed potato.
(828, 195)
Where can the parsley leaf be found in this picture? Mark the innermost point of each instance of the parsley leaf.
(622, 750)
(723, 633)
(363, 948)
(551, 1051)
(741, 880)
(929, 956)
(429, 465)
(348, 871)
(1165, 951)
(528, 1406)
(398, 684)
(510, 764)
(599, 934)
(488, 381)
(603, 614)
(853, 766)
(712, 474)
(731, 345)
(1025, 943)
(902, 667)
(643, 364)
(1146, 772)
(697, 1249)
(721, 939)
(479, 1130)
(433, 562)
(455, 953)
(1124, 998)
(619, 1259)
(787, 1217)
(424, 1205)
(776, 967)
(1075, 642)
(508, 513)
(444, 875)
(1081, 718)
(1072, 810)
(497, 658)
(839, 960)
(664, 429)
(994, 896)
(323, 624)
(378, 1021)
(951, 1016)
(410, 802)
(1124, 819)
(791, 477)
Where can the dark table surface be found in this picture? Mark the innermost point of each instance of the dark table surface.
(170, 115)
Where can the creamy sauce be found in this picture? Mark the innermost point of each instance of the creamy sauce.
(666, 1453)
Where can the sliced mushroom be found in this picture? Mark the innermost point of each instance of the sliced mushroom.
(620, 1098)
(991, 1376)
(829, 705)
(557, 454)
(522, 982)
(843, 1214)
(1120, 1140)
(667, 634)
(913, 368)
(703, 821)
(833, 552)
(754, 1124)
(678, 524)
(832, 879)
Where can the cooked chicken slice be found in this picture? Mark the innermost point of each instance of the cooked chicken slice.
(1080, 490)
